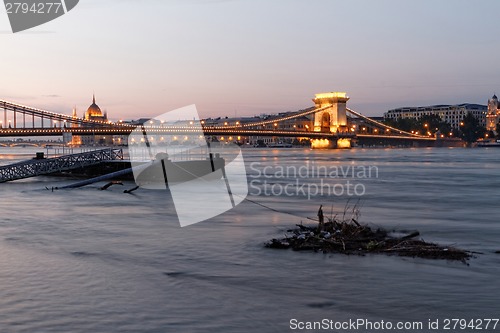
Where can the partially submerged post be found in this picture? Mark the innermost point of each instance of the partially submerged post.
(321, 218)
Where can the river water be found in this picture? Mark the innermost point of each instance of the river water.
(85, 260)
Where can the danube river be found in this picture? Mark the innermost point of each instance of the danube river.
(85, 260)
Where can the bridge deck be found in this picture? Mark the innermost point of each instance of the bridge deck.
(33, 168)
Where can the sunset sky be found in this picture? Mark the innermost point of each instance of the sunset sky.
(246, 57)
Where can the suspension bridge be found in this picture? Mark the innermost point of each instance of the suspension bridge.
(328, 124)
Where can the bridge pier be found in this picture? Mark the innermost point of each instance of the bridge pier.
(331, 143)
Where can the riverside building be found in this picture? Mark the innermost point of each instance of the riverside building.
(452, 114)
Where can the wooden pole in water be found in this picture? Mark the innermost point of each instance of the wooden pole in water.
(107, 176)
(97, 179)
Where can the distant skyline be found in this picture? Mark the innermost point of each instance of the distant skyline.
(247, 57)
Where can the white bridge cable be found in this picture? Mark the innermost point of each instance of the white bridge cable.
(276, 120)
(312, 111)
(359, 115)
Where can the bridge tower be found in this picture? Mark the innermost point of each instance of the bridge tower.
(333, 119)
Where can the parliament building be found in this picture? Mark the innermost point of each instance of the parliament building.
(93, 113)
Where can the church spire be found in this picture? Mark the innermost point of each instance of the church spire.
(93, 98)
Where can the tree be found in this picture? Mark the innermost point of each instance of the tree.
(424, 125)
(404, 124)
(431, 124)
(471, 129)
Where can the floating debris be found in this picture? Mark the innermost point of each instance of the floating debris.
(350, 237)
(114, 182)
(131, 190)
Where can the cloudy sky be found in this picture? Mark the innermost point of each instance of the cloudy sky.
(246, 57)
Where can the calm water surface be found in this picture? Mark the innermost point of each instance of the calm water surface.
(86, 260)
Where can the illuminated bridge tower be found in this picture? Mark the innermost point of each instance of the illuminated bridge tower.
(333, 119)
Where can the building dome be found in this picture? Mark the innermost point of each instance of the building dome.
(93, 111)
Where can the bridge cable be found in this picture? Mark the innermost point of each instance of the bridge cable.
(359, 115)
